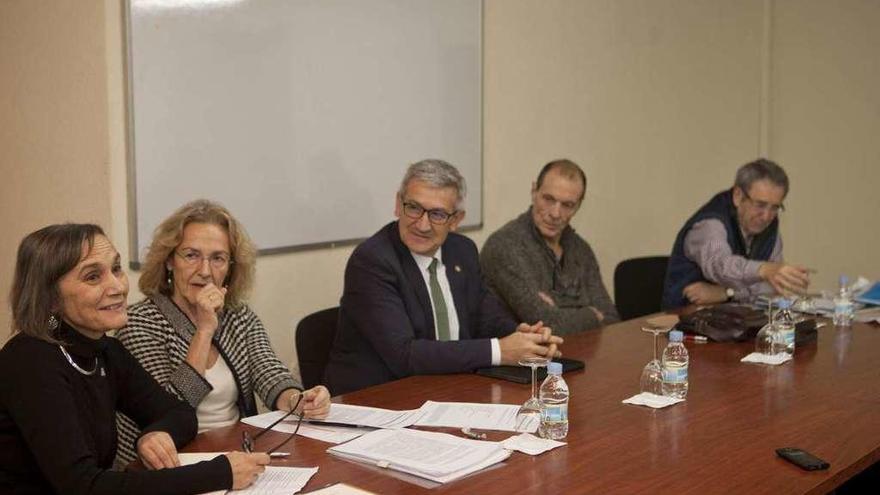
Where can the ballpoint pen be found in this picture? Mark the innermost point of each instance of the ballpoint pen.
(700, 339)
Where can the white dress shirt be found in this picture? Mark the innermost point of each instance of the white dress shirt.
(424, 262)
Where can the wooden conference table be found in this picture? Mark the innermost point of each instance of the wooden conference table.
(721, 440)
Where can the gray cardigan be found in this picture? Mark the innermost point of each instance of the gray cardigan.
(158, 335)
(517, 264)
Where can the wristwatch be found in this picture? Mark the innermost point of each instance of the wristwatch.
(730, 293)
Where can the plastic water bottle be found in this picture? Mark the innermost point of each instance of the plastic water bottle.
(785, 326)
(675, 366)
(843, 304)
(554, 399)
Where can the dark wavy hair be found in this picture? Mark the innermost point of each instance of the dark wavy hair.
(44, 257)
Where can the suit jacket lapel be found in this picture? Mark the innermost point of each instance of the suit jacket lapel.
(416, 280)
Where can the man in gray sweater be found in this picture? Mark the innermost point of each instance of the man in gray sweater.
(540, 267)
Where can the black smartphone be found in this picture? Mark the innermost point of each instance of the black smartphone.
(802, 459)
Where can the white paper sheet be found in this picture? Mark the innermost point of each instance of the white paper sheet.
(652, 400)
(760, 358)
(372, 416)
(435, 456)
(472, 415)
(868, 315)
(280, 480)
(275, 480)
(331, 434)
(340, 489)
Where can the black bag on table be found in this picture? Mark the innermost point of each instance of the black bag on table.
(724, 322)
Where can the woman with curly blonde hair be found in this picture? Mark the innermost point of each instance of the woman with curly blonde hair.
(195, 334)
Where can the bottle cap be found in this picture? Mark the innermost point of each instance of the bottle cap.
(784, 303)
(554, 368)
(844, 280)
(676, 336)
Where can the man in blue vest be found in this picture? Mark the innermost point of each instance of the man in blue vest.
(731, 248)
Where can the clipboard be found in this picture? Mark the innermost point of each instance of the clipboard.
(523, 374)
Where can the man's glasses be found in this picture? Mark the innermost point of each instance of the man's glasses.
(193, 257)
(248, 443)
(435, 216)
(763, 206)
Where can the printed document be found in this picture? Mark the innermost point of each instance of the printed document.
(435, 456)
(371, 416)
(275, 480)
(324, 433)
(480, 416)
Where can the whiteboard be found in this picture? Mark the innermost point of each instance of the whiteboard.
(300, 116)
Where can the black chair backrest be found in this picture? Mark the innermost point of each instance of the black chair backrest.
(638, 286)
(314, 338)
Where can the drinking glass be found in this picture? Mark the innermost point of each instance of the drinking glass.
(531, 409)
(768, 340)
(652, 374)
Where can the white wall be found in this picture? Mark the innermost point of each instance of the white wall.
(660, 102)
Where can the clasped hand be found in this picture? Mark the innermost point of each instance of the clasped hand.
(529, 341)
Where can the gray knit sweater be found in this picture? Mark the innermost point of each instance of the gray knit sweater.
(517, 264)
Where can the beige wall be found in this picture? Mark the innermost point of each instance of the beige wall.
(659, 101)
(54, 163)
(825, 126)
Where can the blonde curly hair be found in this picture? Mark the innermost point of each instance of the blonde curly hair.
(169, 234)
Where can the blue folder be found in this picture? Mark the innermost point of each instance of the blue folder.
(870, 296)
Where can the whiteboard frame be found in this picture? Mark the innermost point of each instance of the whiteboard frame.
(131, 166)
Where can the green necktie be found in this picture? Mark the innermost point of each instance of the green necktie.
(441, 317)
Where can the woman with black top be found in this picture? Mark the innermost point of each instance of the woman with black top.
(62, 381)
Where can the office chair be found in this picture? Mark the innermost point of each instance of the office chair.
(638, 286)
(314, 338)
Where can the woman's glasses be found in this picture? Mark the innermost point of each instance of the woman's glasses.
(248, 443)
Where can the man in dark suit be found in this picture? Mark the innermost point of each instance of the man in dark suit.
(414, 301)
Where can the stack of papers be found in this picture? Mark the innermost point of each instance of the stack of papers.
(771, 359)
(435, 456)
(652, 400)
(479, 416)
(868, 315)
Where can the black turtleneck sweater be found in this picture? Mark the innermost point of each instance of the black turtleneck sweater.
(58, 426)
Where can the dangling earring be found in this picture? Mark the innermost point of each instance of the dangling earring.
(53, 322)
(170, 278)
